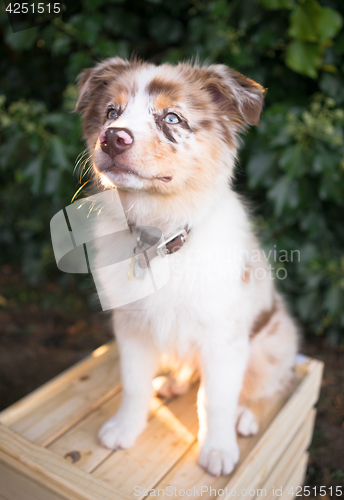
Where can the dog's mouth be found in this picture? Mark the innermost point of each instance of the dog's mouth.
(115, 168)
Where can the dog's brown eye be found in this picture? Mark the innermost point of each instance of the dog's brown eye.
(112, 114)
(171, 118)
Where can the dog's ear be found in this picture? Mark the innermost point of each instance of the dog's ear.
(92, 79)
(232, 91)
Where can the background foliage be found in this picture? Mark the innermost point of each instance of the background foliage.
(291, 166)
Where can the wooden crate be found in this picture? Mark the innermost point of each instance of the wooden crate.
(49, 448)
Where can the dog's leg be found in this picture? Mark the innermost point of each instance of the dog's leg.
(138, 360)
(222, 369)
(272, 357)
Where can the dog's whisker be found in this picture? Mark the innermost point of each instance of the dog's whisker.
(84, 165)
(126, 211)
(86, 171)
(78, 191)
(79, 159)
(161, 156)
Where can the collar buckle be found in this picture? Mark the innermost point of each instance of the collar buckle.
(163, 250)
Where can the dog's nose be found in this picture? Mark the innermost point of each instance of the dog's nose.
(114, 141)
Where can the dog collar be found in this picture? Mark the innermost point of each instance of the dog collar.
(143, 255)
(166, 247)
(174, 243)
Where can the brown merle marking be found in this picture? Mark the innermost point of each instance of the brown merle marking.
(226, 133)
(262, 320)
(220, 85)
(165, 130)
(184, 124)
(92, 83)
(206, 124)
(159, 86)
(272, 359)
(95, 92)
(246, 275)
(274, 328)
(197, 104)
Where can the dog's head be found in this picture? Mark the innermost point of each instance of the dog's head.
(165, 129)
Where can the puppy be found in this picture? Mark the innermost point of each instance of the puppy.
(166, 138)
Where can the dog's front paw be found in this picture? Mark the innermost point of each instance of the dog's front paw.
(221, 461)
(119, 432)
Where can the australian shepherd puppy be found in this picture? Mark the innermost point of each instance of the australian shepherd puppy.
(166, 137)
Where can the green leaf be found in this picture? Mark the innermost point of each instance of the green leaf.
(55, 119)
(258, 167)
(33, 168)
(330, 23)
(58, 154)
(218, 8)
(308, 253)
(293, 161)
(277, 4)
(304, 57)
(33, 171)
(166, 29)
(9, 149)
(307, 305)
(310, 22)
(331, 189)
(51, 182)
(23, 40)
(61, 45)
(283, 194)
(333, 300)
(304, 21)
(333, 85)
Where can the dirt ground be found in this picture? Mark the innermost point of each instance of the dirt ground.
(45, 329)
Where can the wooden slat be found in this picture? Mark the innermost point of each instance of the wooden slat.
(296, 479)
(259, 453)
(15, 485)
(293, 453)
(47, 469)
(168, 436)
(59, 404)
(83, 436)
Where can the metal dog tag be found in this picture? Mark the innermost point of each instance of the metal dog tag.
(135, 270)
(139, 272)
(131, 274)
(138, 263)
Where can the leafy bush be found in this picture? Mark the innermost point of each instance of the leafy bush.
(291, 166)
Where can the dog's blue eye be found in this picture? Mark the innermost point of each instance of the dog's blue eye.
(171, 118)
(112, 114)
